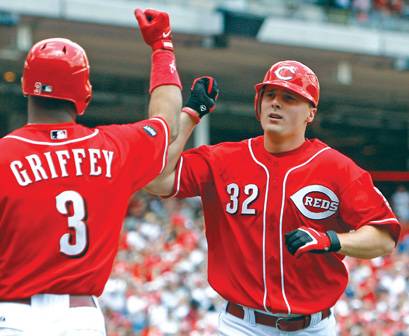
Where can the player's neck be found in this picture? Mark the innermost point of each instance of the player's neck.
(57, 118)
(57, 115)
(49, 111)
(275, 145)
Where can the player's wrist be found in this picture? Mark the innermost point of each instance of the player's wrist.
(335, 244)
(194, 116)
(162, 45)
(163, 71)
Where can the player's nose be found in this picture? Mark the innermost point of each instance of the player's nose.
(276, 101)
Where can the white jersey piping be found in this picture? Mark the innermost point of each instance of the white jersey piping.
(264, 223)
(164, 159)
(381, 221)
(34, 142)
(179, 173)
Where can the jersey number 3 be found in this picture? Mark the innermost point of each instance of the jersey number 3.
(73, 244)
(251, 190)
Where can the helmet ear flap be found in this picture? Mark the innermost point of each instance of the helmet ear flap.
(257, 101)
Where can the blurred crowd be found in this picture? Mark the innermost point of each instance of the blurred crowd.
(384, 14)
(158, 285)
(388, 6)
(376, 12)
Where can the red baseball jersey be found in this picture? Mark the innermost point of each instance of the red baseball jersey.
(64, 192)
(251, 198)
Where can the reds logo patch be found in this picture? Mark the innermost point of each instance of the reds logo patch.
(316, 201)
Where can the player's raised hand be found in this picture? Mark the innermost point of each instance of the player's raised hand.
(155, 28)
(306, 239)
(203, 96)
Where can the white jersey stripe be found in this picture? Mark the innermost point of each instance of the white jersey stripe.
(281, 222)
(382, 221)
(34, 142)
(165, 152)
(264, 222)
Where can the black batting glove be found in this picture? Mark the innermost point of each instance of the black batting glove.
(203, 96)
(306, 239)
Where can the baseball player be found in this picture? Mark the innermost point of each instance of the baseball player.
(281, 211)
(64, 188)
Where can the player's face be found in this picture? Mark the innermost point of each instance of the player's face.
(285, 113)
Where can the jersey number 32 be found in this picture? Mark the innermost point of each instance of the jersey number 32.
(251, 194)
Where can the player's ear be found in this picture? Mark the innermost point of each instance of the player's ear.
(311, 114)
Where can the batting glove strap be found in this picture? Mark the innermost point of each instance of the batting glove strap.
(192, 113)
(334, 240)
(306, 239)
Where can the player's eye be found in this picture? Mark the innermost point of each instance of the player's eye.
(289, 97)
(270, 94)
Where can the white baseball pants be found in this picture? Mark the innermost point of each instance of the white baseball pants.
(50, 315)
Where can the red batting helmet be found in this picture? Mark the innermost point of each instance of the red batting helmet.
(58, 68)
(293, 76)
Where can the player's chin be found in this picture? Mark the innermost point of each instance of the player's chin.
(272, 127)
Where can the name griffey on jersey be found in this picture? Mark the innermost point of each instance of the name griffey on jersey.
(316, 201)
(54, 164)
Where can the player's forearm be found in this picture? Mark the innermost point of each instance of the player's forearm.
(366, 243)
(164, 82)
(166, 101)
(186, 127)
(202, 100)
(163, 184)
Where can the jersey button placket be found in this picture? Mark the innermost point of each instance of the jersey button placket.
(273, 227)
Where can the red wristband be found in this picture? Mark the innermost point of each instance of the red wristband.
(163, 70)
(192, 113)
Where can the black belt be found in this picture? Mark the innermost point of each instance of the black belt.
(75, 301)
(281, 323)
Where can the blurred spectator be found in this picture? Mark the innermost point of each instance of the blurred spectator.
(342, 4)
(361, 10)
(400, 203)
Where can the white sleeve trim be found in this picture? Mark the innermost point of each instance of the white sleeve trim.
(178, 175)
(387, 220)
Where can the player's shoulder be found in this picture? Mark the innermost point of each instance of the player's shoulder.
(151, 127)
(334, 159)
(221, 149)
(9, 146)
(10, 137)
(330, 152)
(230, 146)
